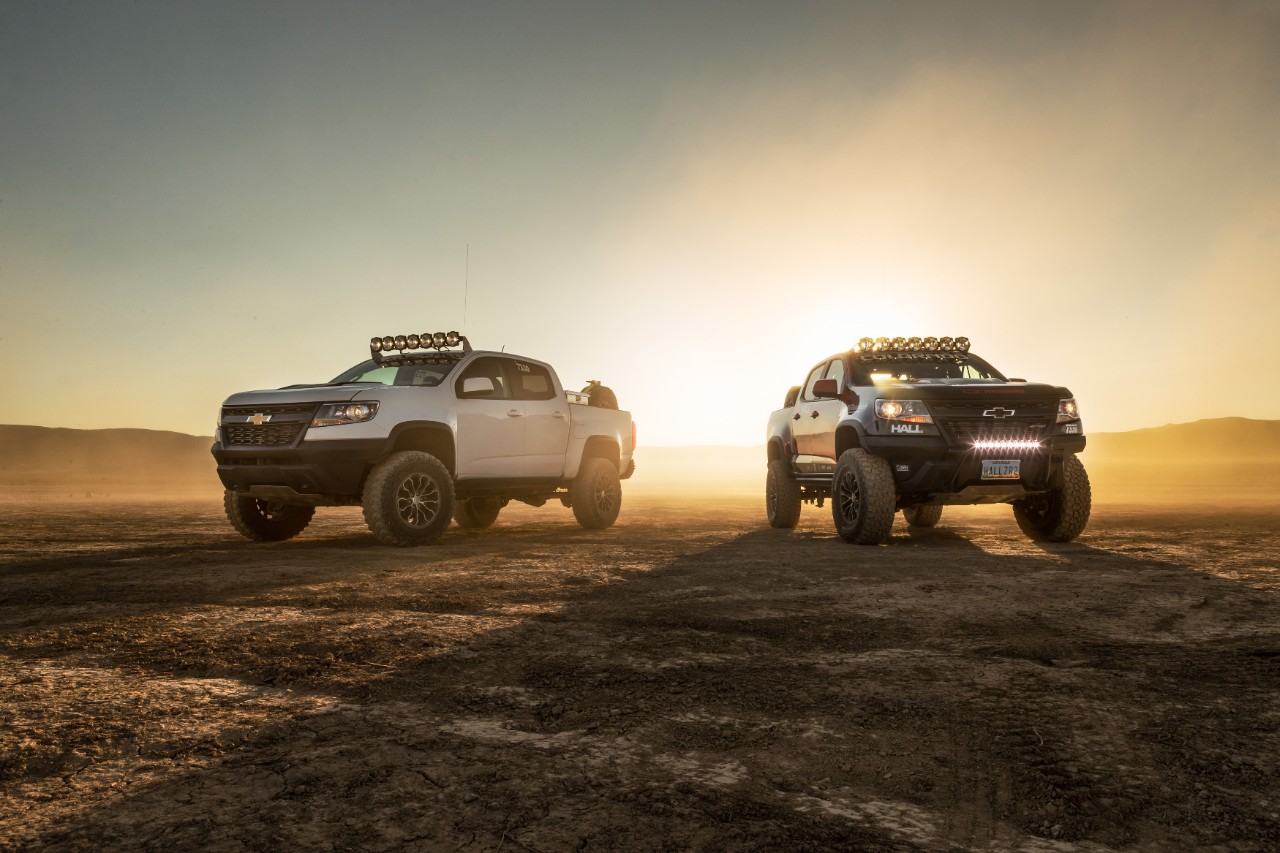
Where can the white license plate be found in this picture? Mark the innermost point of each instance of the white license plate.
(1001, 469)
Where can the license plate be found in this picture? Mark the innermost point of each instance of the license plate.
(1001, 469)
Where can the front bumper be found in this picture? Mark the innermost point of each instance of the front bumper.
(929, 468)
(335, 468)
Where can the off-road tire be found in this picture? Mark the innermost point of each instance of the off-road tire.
(477, 513)
(264, 520)
(1060, 515)
(596, 494)
(781, 496)
(863, 502)
(922, 515)
(408, 499)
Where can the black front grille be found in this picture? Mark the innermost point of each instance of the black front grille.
(1020, 410)
(965, 431)
(265, 435)
(307, 409)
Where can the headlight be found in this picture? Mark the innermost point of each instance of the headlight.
(335, 414)
(903, 411)
(1068, 411)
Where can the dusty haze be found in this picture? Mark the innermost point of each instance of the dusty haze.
(1235, 461)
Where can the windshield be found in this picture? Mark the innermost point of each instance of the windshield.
(429, 375)
(963, 367)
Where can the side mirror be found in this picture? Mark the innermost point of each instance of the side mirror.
(827, 389)
(479, 386)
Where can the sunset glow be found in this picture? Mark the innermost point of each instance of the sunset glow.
(693, 204)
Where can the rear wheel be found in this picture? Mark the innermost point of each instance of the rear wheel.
(265, 520)
(781, 496)
(922, 516)
(1061, 514)
(477, 513)
(408, 499)
(862, 498)
(596, 494)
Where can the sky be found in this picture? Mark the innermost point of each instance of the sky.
(692, 201)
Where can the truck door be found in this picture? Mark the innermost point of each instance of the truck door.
(822, 435)
(546, 419)
(490, 423)
(815, 428)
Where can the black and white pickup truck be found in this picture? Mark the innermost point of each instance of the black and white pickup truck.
(915, 424)
(425, 431)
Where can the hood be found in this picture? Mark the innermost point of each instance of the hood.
(295, 394)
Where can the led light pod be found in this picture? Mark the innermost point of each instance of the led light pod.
(438, 339)
(913, 343)
(376, 344)
(413, 341)
(452, 338)
(962, 344)
(388, 343)
(400, 341)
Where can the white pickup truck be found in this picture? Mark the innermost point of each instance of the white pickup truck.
(425, 431)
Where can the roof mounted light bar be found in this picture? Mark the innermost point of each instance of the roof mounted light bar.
(921, 349)
(381, 348)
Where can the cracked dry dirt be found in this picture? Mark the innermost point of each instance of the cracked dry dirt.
(689, 680)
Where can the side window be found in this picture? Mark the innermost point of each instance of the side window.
(835, 370)
(814, 376)
(532, 381)
(487, 368)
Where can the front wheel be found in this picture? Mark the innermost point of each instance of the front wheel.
(782, 498)
(265, 520)
(408, 499)
(862, 498)
(477, 513)
(1061, 514)
(596, 494)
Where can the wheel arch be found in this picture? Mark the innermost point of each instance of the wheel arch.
(848, 437)
(426, 436)
(602, 447)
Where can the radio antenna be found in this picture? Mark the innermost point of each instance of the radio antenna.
(466, 286)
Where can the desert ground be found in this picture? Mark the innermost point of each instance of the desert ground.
(687, 680)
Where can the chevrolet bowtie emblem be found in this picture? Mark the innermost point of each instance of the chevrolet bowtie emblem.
(998, 412)
(258, 420)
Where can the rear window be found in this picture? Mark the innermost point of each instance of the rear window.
(533, 382)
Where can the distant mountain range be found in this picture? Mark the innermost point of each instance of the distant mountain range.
(45, 456)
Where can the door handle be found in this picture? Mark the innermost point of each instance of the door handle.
(814, 413)
(558, 415)
(514, 413)
(797, 417)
